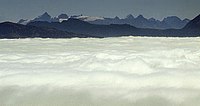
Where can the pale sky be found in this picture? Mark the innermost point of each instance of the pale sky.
(14, 10)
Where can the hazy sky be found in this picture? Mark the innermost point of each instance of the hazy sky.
(16, 9)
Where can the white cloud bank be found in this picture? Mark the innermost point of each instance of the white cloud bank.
(126, 71)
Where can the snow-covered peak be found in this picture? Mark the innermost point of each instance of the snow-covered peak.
(63, 17)
(87, 18)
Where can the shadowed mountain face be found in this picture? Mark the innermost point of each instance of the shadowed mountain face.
(13, 30)
(194, 24)
(139, 22)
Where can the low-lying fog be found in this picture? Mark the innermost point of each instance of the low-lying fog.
(124, 71)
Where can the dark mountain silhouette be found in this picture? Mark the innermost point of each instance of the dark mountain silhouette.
(193, 27)
(113, 30)
(194, 24)
(139, 22)
(12, 30)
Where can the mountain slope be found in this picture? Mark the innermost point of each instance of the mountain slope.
(13, 30)
(194, 24)
(78, 26)
(193, 27)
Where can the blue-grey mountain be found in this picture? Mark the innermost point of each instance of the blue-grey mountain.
(172, 22)
(78, 28)
(10, 30)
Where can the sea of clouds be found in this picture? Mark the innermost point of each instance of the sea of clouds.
(124, 71)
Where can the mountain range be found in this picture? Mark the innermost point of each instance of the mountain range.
(11, 30)
(73, 27)
(113, 30)
(139, 21)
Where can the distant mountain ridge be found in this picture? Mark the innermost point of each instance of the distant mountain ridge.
(172, 22)
(114, 30)
(77, 28)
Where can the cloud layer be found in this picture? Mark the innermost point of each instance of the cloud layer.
(122, 71)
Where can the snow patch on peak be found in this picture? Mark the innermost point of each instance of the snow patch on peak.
(87, 18)
(61, 20)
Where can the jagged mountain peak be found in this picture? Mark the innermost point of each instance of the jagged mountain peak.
(45, 15)
(130, 16)
(63, 16)
(152, 19)
(140, 17)
(116, 17)
(140, 21)
(172, 18)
